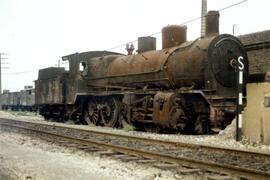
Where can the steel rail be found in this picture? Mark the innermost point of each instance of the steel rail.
(158, 141)
(205, 165)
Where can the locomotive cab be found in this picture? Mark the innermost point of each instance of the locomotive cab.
(84, 68)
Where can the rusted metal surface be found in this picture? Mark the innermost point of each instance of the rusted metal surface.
(147, 43)
(75, 60)
(103, 111)
(174, 67)
(166, 75)
(50, 73)
(57, 90)
(74, 81)
(212, 23)
(167, 112)
(173, 35)
(162, 85)
(49, 89)
(188, 66)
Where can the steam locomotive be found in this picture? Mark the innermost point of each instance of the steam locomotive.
(187, 86)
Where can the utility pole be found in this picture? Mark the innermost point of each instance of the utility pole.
(1, 58)
(203, 18)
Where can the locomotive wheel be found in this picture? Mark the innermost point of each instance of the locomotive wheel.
(109, 112)
(91, 113)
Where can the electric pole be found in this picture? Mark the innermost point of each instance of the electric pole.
(1, 58)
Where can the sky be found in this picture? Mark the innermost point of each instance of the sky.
(37, 33)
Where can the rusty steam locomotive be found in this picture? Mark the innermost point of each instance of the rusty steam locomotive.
(185, 86)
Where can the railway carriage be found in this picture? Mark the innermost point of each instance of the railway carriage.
(23, 100)
(5, 99)
(27, 99)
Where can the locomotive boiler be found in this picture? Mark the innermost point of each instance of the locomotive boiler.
(187, 86)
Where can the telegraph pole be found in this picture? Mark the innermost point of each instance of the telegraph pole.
(0, 76)
(1, 58)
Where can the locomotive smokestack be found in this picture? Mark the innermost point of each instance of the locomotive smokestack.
(212, 23)
(173, 35)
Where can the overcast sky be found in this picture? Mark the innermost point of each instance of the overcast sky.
(36, 33)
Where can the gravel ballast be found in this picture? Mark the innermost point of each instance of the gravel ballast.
(24, 157)
(225, 138)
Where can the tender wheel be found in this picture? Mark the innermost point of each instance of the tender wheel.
(109, 112)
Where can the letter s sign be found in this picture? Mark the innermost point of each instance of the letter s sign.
(241, 65)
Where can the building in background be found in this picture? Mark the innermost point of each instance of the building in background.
(258, 49)
(256, 124)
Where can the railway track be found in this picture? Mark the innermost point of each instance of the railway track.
(236, 163)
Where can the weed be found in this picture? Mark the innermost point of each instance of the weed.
(127, 127)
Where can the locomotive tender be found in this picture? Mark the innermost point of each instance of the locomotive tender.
(186, 86)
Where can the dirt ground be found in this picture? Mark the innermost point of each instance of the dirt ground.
(25, 158)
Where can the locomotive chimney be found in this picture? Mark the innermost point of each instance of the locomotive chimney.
(146, 43)
(212, 23)
(173, 35)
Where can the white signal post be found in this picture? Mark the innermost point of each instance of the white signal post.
(239, 117)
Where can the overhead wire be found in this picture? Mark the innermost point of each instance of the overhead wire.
(22, 72)
(153, 34)
(184, 23)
